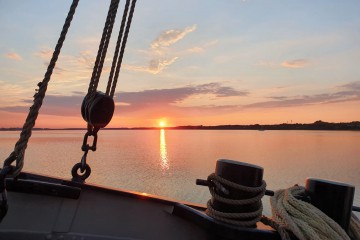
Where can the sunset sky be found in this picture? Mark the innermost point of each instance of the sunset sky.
(189, 62)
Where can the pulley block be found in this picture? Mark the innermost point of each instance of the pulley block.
(97, 109)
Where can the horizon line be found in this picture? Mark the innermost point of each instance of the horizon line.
(184, 126)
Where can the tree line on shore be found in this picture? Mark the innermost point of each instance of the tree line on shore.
(318, 125)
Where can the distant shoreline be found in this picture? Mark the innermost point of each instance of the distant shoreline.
(318, 125)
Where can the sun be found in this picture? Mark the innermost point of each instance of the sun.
(162, 124)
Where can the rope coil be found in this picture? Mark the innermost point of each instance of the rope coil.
(306, 221)
(354, 229)
(292, 216)
(218, 184)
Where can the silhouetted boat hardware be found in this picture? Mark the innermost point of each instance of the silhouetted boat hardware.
(49, 208)
(42, 207)
(34, 206)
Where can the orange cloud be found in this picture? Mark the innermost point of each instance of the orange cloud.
(296, 63)
(14, 56)
(14, 94)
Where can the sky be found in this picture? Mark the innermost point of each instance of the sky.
(190, 62)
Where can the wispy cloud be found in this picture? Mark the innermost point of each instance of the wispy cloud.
(84, 60)
(160, 54)
(296, 63)
(75, 69)
(201, 48)
(87, 59)
(45, 53)
(353, 86)
(13, 56)
(155, 65)
(13, 94)
(343, 93)
(170, 37)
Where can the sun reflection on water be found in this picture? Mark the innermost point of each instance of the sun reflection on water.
(163, 152)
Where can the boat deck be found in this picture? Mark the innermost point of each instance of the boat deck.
(58, 209)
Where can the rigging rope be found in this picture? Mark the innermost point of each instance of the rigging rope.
(97, 108)
(20, 147)
(120, 46)
(117, 48)
(113, 81)
(103, 46)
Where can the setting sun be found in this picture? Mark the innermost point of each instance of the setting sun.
(162, 124)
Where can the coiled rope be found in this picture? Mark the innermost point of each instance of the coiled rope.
(290, 216)
(306, 221)
(248, 219)
(354, 229)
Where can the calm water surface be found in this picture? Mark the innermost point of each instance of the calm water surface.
(167, 162)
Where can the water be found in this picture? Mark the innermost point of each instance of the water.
(167, 162)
